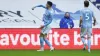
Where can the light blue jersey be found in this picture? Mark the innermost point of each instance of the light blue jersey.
(47, 19)
(87, 15)
(48, 15)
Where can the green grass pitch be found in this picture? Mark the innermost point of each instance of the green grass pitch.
(49, 53)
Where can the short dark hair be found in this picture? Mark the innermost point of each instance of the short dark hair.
(86, 3)
(66, 12)
(49, 3)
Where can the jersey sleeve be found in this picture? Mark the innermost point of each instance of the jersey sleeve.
(40, 6)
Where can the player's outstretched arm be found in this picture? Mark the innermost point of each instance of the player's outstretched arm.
(38, 6)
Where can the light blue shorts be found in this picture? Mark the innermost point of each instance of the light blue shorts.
(86, 31)
(46, 30)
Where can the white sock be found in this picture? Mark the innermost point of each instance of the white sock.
(83, 40)
(89, 43)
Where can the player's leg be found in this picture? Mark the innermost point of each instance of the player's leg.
(89, 38)
(47, 29)
(83, 33)
(41, 42)
(48, 43)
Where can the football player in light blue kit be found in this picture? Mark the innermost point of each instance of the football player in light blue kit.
(86, 24)
(47, 19)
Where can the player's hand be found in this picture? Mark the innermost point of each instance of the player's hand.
(41, 27)
(33, 8)
(80, 25)
(94, 24)
(71, 27)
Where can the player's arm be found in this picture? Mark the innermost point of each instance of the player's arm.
(94, 19)
(80, 23)
(38, 6)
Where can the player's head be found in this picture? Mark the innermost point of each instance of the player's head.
(86, 3)
(67, 15)
(49, 4)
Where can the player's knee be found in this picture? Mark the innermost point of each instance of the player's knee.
(82, 37)
(45, 35)
(89, 38)
(44, 38)
(41, 35)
